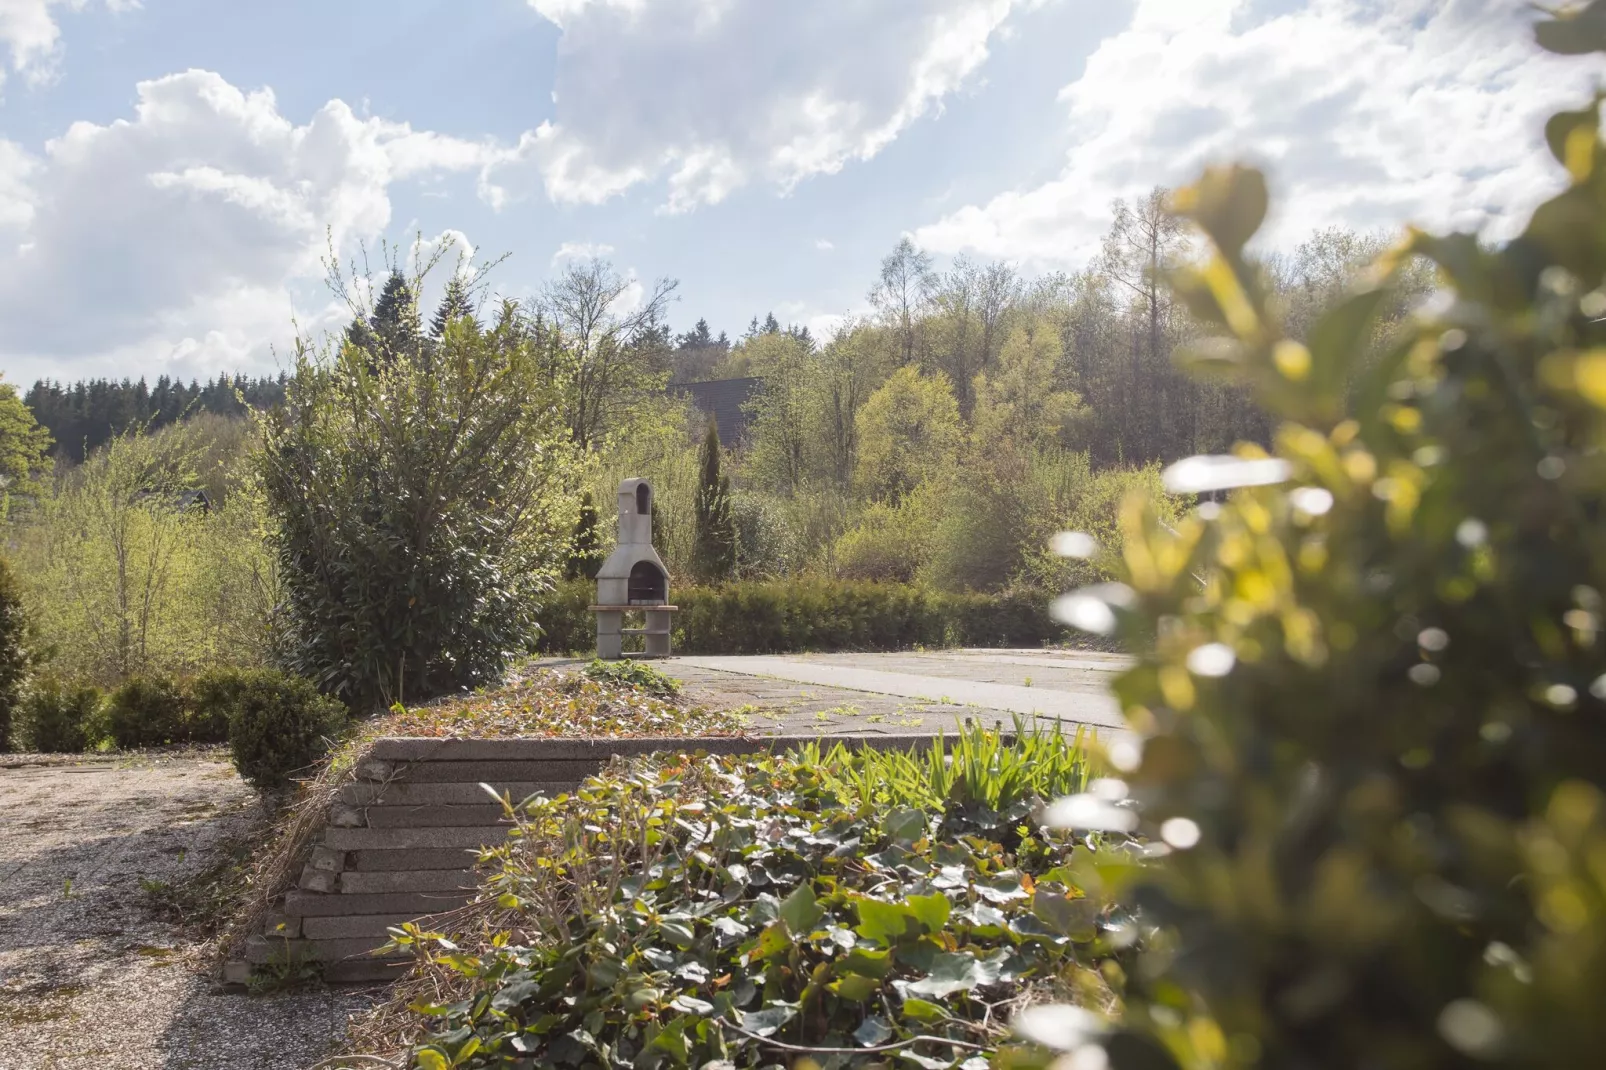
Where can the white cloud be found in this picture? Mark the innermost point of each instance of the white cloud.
(175, 239)
(824, 245)
(712, 95)
(1367, 113)
(580, 250)
(29, 32)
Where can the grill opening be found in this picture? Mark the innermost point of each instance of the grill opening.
(643, 498)
(648, 584)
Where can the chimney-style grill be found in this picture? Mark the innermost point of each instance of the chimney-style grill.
(633, 579)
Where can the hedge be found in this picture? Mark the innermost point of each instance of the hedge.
(790, 616)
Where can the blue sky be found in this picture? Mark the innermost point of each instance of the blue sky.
(169, 168)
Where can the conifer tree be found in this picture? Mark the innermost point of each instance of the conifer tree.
(456, 303)
(395, 320)
(585, 552)
(714, 553)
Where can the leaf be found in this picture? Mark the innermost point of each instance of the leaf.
(855, 987)
(801, 910)
(954, 971)
(430, 1059)
(921, 1010)
(772, 941)
(1575, 32)
(1338, 343)
(1572, 136)
(1228, 203)
(679, 933)
(881, 921)
(932, 910)
(865, 962)
(692, 1005)
(768, 1021)
(926, 1062)
(904, 825)
(875, 1030)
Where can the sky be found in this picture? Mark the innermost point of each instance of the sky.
(174, 173)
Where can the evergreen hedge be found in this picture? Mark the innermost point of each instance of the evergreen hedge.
(788, 616)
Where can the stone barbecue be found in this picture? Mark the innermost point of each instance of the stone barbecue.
(633, 580)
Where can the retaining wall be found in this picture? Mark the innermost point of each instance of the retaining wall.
(400, 840)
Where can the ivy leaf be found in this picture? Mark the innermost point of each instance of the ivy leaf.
(921, 1010)
(767, 1021)
(904, 825)
(875, 1030)
(881, 921)
(772, 941)
(925, 1061)
(932, 910)
(801, 910)
(954, 971)
(692, 1005)
(430, 1059)
(855, 987)
(865, 962)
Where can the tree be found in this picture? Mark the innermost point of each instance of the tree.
(396, 327)
(903, 292)
(604, 353)
(585, 547)
(456, 303)
(24, 447)
(1019, 399)
(423, 509)
(714, 555)
(16, 651)
(909, 431)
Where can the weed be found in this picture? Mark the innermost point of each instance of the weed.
(633, 674)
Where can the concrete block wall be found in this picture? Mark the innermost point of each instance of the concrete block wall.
(400, 840)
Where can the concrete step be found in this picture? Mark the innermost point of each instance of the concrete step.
(407, 839)
(262, 950)
(425, 880)
(477, 772)
(362, 926)
(418, 904)
(396, 817)
(368, 793)
(365, 971)
(414, 749)
(420, 858)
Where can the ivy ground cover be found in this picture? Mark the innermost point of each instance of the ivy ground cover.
(851, 907)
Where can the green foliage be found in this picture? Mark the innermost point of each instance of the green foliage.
(214, 696)
(790, 616)
(633, 674)
(147, 711)
(1376, 699)
(585, 552)
(278, 727)
(57, 718)
(423, 506)
(696, 913)
(16, 650)
(23, 448)
(714, 553)
(126, 575)
(909, 431)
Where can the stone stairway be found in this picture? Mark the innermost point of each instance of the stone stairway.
(400, 839)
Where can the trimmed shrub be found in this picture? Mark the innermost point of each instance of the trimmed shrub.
(147, 711)
(56, 718)
(214, 696)
(279, 726)
(821, 615)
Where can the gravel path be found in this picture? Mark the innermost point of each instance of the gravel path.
(89, 976)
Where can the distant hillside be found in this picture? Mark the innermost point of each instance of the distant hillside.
(83, 415)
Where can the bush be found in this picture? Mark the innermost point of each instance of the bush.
(147, 711)
(1376, 731)
(15, 655)
(279, 726)
(790, 616)
(58, 719)
(423, 504)
(214, 696)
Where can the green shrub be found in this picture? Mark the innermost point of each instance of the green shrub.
(147, 711)
(58, 719)
(15, 654)
(422, 499)
(214, 696)
(1375, 715)
(788, 616)
(279, 726)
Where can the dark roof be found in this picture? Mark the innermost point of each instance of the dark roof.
(723, 400)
